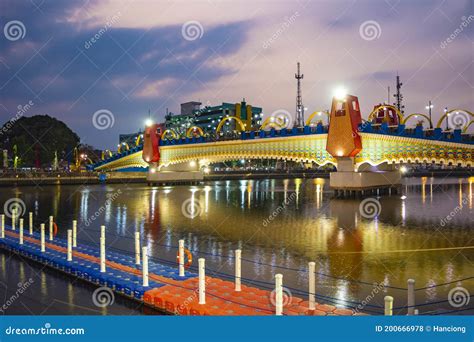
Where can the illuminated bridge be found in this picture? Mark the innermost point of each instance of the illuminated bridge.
(348, 142)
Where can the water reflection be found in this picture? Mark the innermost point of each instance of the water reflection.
(304, 223)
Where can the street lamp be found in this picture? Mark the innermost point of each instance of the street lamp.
(429, 107)
(340, 93)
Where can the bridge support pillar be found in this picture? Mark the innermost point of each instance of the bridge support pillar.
(189, 172)
(363, 181)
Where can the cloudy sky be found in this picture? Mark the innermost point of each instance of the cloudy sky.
(72, 59)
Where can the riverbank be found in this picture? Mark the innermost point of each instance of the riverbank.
(72, 179)
(140, 177)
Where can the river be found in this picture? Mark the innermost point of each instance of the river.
(280, 225)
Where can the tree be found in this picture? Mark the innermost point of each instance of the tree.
(37, 138)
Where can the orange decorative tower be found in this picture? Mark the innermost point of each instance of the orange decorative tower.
(344, 143)
(151, 141)
(343, 135)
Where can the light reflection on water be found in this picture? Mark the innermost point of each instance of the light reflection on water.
(287, 223)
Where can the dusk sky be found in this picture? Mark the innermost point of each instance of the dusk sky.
(157, 54)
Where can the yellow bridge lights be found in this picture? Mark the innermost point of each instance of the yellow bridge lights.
(320, 114)
(241, 125)
(169, 132)
(124, 144)
(273, 123)
(384, 107)
(192, 130)
(107, 153)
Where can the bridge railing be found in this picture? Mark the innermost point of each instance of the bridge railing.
(418, 132)
(115, 157)
(249, 135)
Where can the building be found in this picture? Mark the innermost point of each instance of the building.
(209, 117)
(130, 139)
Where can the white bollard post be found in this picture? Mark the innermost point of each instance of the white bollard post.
(74, 233)
(102, 255)
(21, 232)
(411, 297)
(238, 270)
(202, 280)
(102, 249)
(69, 245)
(51, 228)
(145, 266)
(137, 248)
(2, 232)
(181, 257)
(30, 223)
(13, 218)
(388, 305)
(278, 294)
(312, 285)
(42, 238)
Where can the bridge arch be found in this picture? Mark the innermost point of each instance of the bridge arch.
(414, 115)
(227, 118)
(467, 126)
(272, 123)
(169, 131)
(377, 109)
(192, 129)
(106, 152)
(119, 150)
(139, 139)
(319, 113)
(445, 115)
